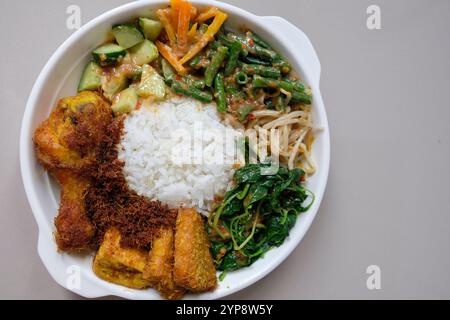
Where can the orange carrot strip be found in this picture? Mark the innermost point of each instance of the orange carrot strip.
(193, 12)
(208, 14)
(184, 16)
(193, 31)
(174, 12)
(164, 17)
(213, 28)
(167, 53)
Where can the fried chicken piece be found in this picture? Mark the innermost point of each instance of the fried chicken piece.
(74, 230)
(193, 264)
(123, 266)
(159, 268)
(72, 134)
(67, 144)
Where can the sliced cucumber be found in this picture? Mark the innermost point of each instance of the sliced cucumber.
(143, 53)
(150, 28)
(152, 84)
(91, 77)
(108, 54)
(126, 102)
(113, 84)
(127, 35)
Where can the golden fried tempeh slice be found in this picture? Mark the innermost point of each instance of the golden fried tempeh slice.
(159, 268)
(193, 265)
(123, 266)
(74, 230)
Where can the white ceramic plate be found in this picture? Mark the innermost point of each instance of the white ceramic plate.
(60, 77)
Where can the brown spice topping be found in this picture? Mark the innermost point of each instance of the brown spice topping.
(110, 202)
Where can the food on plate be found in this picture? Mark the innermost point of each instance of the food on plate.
(123, 266)
(74, 230)
(156, 155)
(159, 267)
(67, 144)
(256, 215)
(146, 146)
(71, 136)
(193, 267)
(177, 262)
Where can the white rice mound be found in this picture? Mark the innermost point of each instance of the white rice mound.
(147, 147)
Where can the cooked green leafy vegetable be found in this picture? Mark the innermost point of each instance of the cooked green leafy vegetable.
(256, 215)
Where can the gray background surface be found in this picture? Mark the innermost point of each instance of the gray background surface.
(387, 97)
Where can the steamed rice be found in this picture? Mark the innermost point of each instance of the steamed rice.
(152, 137)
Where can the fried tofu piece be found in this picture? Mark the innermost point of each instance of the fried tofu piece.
(74, 230)
(193, 264)
(159, 268)
(70, 137)
(123, 266)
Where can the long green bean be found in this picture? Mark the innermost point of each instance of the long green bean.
(264, 71)
(215, 64)
(187, 90)
(283, 65)
(196, 83)
(301, 97)
(258, 40)
(297, 96)
(235, 50)
(219, 94)
(252, 60)
(296, 85)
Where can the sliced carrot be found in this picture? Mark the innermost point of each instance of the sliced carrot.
(184, 17)
(193, 12)
(164, 17)
(213, 28)
(168, 54)
(174, 13)
(208, 14)
(193, 31)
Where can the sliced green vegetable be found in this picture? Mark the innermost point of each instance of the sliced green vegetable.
(108, 54)
(144, 52)
(127, 36)
(190, 91)
(196, 83)
(152, 84)
(113, 84)
(216, 63)
(264, 71)
(126, 102)
(297, 96)
(168, 71)
(91, 77)
(241, 78)
(258, 40)
(244, 111)
(220, 93)
(256, 215)
(150, 28)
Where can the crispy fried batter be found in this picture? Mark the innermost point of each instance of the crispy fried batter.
(193, 265)
(159, 268)
(68, 144)
(123, 266)
(74, 230)
(70, 137)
